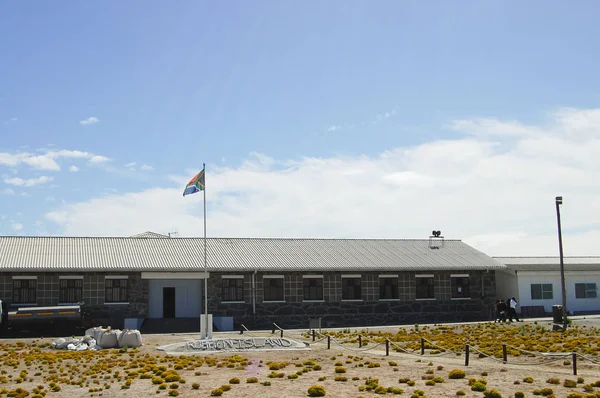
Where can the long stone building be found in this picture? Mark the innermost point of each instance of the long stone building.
(252, 281)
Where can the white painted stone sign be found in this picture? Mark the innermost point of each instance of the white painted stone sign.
(235, 344)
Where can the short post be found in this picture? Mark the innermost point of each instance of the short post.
(281, 332)
(242, 329)
(328, 342)
(314, 334)
(273, 331)
(359, 341)
(466, 355)
(504, 355)
(387, 347)
(422, 346)
(574, 363)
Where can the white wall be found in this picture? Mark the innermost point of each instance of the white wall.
(525, 279)
(187, 297)
(506, 285)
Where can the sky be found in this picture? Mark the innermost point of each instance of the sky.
(336, 119)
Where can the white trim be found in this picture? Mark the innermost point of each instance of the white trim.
(351, 276)
(425, 299)
(313, 301)
(388, 276)
(24, 277)
(232, 276)
(118, 276)
(274, 301)
(424, 276)
(174, 275)
(312, 276)
(460, 298)
(70, 277)
(233, 302)
(272, 276)
(389, 299)
(352, 300)
(459, 275)
(65, 304)
(118, 303)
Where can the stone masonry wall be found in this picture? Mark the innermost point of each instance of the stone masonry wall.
(295, 313)
(93, 295)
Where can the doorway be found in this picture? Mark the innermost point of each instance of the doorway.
(168, 302)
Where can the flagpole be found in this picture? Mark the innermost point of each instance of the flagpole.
(205, 265)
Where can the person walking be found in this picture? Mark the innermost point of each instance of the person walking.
(512, 303)
(500, 308)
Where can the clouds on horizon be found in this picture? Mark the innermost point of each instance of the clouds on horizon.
(89, 120)
(494, 187)
(48, 161)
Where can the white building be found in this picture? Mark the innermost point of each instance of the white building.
(535, 283)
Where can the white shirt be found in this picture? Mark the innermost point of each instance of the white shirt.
(513, 303)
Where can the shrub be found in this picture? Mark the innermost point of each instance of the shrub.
(411, 383)
(217, 392)
(292, 376)
(381, 390)
(317, 367)
(403, 380)
(544, 391)
(252, 380)
(461, 393)
(393, 363)
(235, 380)
(430, 383)
(396, 390)
(341, 378)
(163, 386)
(340, 369)
(553, 380)
(316, 391)
(569, 383)
(484, 373)
(195, 386)
(580, 380)
(225, 387)
(266, 383)
(519, 394)
(478, 386)
(438, 379)
(528, 379)
(173, 393)
(457, 374)
(322, 378)
(492, 394)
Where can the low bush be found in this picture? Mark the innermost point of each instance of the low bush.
(569, 383)
(252, 380)
(235, 380)
(457, 374)
(316, 391)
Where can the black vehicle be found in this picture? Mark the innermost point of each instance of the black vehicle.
(56, 320)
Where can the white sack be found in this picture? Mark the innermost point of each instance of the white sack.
(95, 332)
(130, 338)
(109, 339)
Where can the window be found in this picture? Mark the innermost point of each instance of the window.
(24, 291)
(424, 287)
(388, 287)
(541, 291)
(272, 288)
(351, 287)
(313, 288)
(232, 288)
(115, 290)
(585, 290)
(460, 286)
(70, 290)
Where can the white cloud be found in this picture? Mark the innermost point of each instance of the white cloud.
(146, 167)
(17, 227)
(334, 128)
(89, 120)
(7, 191)
(47, 160)
(97, 159)
(130, 165)
(28, 182)
(498, 196)
(73, 169)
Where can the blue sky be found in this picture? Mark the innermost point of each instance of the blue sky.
(172, 85)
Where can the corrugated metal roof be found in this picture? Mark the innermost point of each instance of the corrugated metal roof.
(149, 234)
(19, 253)
(551, 263)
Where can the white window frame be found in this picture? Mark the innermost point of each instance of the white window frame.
(351, 276)
(25, 277)
(309, 276)
(115, 277)
(70, 277)
(428, 276)
(232, 277)
(459, 276)
(274, 277)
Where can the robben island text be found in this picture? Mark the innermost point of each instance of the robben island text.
(238, 344)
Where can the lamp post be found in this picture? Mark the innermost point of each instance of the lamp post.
(558, 202)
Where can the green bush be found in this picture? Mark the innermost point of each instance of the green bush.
(457, 374)
(316, 391)
(235, 380)
(478, 386)
(340, 369)
(461, 393)
(569, 383)
(195, 386)
(492, 394)
(553, 380)
(252, 380)
(519, 394)
(217, 392)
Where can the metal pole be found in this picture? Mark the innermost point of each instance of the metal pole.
(559, 201)
(205, 264)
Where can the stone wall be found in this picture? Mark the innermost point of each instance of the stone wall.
(99, 312)
(295, 313)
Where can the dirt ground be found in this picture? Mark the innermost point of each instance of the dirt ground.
(70, 366)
